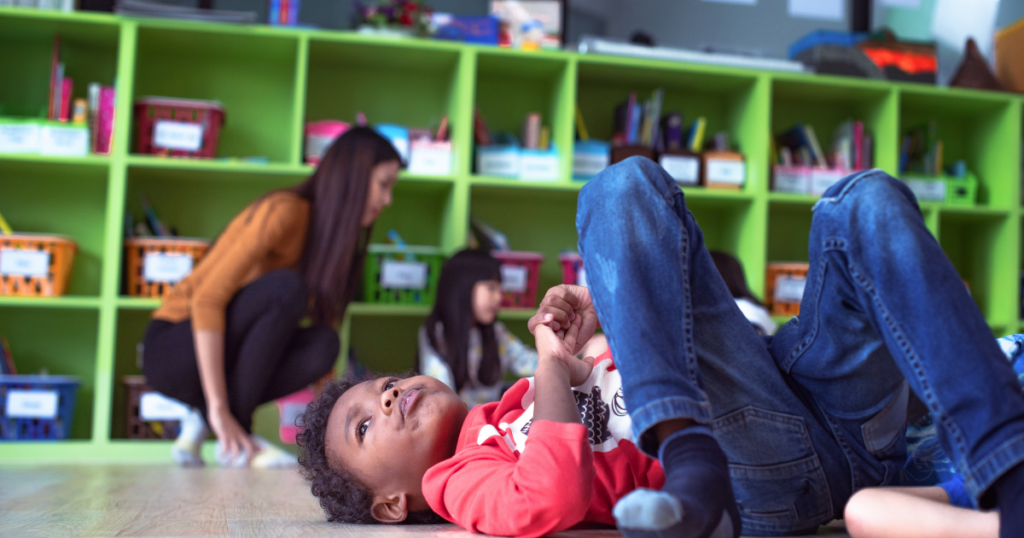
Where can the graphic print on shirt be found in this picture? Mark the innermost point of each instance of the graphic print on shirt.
(599, 401)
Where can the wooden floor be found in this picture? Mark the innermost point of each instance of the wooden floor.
(99, 500)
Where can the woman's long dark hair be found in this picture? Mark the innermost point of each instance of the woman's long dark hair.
(732, 272)
(332, 259)
(454, 310)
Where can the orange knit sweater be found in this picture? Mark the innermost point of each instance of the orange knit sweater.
(268, 235)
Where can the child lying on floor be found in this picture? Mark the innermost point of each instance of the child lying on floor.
(941, 511)
(769, 435)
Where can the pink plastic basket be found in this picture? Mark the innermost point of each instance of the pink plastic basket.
(572, 269)
(289, 408)
(520, 272)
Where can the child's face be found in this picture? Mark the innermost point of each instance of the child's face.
(387, 432)
(486, 301)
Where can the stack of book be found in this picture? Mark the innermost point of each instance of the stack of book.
(921, 151)
(803, 167)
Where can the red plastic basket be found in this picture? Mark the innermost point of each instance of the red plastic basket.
(520, 272)
(572, 269)
(208, 115)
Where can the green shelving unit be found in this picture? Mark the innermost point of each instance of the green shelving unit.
(272, 80)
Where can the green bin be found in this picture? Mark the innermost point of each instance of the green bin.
(401, 275)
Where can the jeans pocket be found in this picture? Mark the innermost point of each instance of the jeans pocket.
(778, 480)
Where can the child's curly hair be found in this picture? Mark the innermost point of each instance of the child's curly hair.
(342, 496)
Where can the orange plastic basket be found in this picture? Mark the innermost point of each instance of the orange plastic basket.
(35, 265)
(785, 283)
(138, 249)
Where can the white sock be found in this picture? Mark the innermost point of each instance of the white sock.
(187, 448)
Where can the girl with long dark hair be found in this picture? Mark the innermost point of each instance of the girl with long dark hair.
(462, 343)
(228, 338)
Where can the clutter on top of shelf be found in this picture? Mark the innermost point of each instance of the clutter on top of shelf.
(530, 25)
(470, 29)
(879, 55)
(594, 45)
(394, 17)
(536, 159)
(803, 167)
(143, 8)
(283, 12)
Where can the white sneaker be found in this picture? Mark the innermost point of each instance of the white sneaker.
(187, 448)
(270, 456)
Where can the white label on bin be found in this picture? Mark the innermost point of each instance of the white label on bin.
(789, 289)
(403, 275)
(581, 277)
(514, 278)
(19, 137)
(31, 404)
(685, 169)
(164, 267)
(791, 180)
(178, 135)
(930, 190)
(726, 171)
(586, 164)
(538, 167)
(28, 263)
(431, 159)
(156, 406)
(65, 141)
(821, 180)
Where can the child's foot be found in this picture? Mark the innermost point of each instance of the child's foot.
(270, 456)
(1010, 497)
(697, 499)
(187, 448)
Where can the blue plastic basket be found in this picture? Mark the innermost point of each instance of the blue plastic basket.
(38, 428)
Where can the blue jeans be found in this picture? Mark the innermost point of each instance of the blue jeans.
(819, 411)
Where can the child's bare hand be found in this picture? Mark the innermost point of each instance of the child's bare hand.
(560, 306)
(557, 347)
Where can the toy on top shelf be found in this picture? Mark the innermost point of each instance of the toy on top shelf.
(502, 155)
(529, 25)
(394, 18)
(803, 167)
(921, 168)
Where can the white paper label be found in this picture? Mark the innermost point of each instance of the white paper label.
(28, 263)
(19, 138)
(64, 141)
(581, 278)
(792, 181)
(430, 160)
(31, 404)
(497, 163)
(685, 169)
(821, 180)
(789, 289)
(726, 171)
(165, 267)
(932, 191)
(403, 275)
(589, 164)
(538, 167)
(514, 278)
(178, 135)
(156, 406)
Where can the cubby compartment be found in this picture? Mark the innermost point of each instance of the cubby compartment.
(982, 129)
(87, 48)
(386, 344)
(824, 103)
(789, 228)
(509, 86)
(729, 102)
(62, 199)
(971, 240)
(60, 342)
(388, 82)
(419, 212)
(252, 76)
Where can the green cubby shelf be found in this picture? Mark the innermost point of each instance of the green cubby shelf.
(271, 81)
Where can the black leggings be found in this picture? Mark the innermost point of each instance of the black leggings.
(266, 354)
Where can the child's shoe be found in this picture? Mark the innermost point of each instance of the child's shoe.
(187, 448)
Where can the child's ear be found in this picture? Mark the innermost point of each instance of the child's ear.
(390, 508)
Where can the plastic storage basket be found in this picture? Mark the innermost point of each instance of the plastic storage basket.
(137, 427)
(36, 407)
(154, 265)
(785, 287)
(572, 269)
(178, 127)
(289, 409)
(520, 272)
(37, 265)
(401, 275)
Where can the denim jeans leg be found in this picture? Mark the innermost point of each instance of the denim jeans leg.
(884, 306)
(685, 350)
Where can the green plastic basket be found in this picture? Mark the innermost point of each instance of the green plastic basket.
(401, 275)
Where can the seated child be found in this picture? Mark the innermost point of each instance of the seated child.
(771, 436)
(462, 343)
(939, 511)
